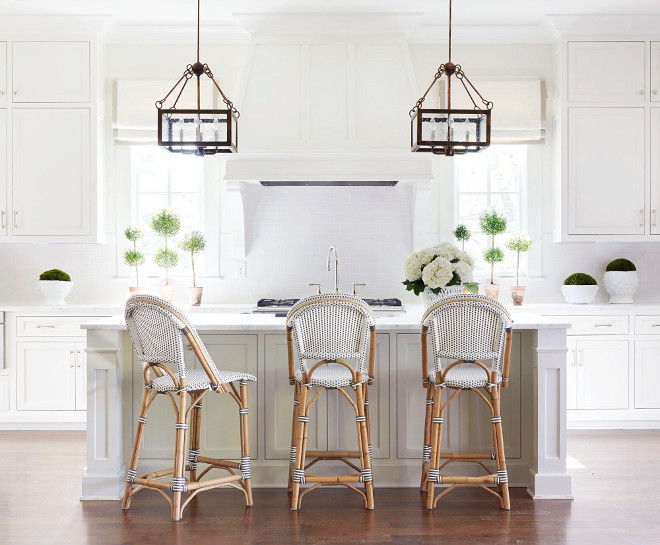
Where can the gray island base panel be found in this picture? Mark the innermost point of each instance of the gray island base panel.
(534, 406)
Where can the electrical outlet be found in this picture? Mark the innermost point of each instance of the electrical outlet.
(239, 269)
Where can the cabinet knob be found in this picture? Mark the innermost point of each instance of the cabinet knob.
(78, 357)
(16, 218)
(655, 91)
(14, 92)
(4, 224)
(641, 92)
(71, 358)
(641, 218)
(655, 217)
(2, 93)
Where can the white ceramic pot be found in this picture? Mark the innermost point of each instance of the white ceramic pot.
(621, 285)
(579, 295)
(54, 291)
(431, 298)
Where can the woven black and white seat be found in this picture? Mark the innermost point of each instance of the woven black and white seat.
(471, 339)
(330, 340)
(156, 328)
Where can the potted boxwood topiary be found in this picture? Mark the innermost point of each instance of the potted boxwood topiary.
(194, 243)
(519, 242)
(55, 285)
(492, 223)
(462, 233)
(134, 257)
(166, 224)
(580, 288)
(621, 280)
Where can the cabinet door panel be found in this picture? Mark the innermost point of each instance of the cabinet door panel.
(647, 374)
(51, 192)
(45, 375)
(50, 72)
(342, 431)
(655, 168)
(278, 400)
(655, 71)
(606, 171)
(3, 171)
(3, 73)
(602, 372)
(590, 76)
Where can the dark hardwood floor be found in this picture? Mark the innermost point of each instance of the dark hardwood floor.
(615, 475)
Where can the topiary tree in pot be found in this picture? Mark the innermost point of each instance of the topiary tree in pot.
(580, 288)
(492, 223)
(621, 280)
(462, 234)
(55, 285)
(194, 243)
(133, 257)
(519, 242)
(166, 224)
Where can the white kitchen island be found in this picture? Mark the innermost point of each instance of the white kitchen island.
(534, 405)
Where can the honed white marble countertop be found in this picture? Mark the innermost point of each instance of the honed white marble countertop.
(248, 321)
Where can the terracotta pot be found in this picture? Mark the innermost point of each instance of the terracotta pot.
(492, 290)
(517, 294)
(195, 295)
(167, 292)
(135, 290)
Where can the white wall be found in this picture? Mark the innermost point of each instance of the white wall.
(289, 229)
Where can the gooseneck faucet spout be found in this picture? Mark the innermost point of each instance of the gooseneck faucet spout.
(330, 252)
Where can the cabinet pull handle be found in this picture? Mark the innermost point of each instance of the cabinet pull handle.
(641, 218)
(655, 217)
(4, 225)
(15, 92)
(573, 358)
(77, 358)
(655, 325)
(39, 326)
(71, 358)
(16, 218)
(2, 93)
(603, 325)
(655, 91)
(641, 92)
(579, 357)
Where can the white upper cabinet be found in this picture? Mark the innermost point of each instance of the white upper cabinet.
(50, 72)
(3, 73)
(3, 172)
(600, 72)
(51, 183)
(606, 173)
(655, 71)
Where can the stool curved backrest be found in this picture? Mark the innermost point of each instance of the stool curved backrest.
(156, 327)
(468, 327)
(331, 326)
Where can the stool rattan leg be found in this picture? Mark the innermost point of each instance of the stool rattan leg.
(300, 443)
(503, 478)
(245, 446)
(363, 436)
(195, 431)
(436, 438)
(426, 448)
(294, 422)
(178, 479)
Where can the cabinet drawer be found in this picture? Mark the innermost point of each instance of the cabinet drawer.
(50, 326)
(597, 325)
(647, 325)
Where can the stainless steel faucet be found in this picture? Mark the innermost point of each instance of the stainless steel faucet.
(330, 251)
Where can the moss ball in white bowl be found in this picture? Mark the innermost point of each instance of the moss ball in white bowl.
(55, 285)
(580, 289)
(621, 281)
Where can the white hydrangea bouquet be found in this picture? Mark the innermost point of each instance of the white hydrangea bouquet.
(439, 267)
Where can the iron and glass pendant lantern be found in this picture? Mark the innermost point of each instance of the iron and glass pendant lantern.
(197, 131)
(448, 131)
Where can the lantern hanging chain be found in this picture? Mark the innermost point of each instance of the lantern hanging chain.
(189, 73)
(418, 104)
(460, 75)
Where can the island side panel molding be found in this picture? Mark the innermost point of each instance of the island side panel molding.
(548, 478)
(104, 476)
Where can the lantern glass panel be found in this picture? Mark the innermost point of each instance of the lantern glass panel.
(183, 127)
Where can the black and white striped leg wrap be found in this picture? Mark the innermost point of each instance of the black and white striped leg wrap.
(197, 406)
(502, 476)
(366, 402)
(496, 420)
(434, 476)
(438, 420)
(493, 455)
(142, 419)
(243, 411)
(429, 401)
(181, 426)
(178, 485)
(371, 455)
(303, 419)
(426, 453)
(131, 475)
(243, 382)
(299, 476)
(193, 454)
(360, 418)
(365, 475)
(244, 466)
(292, 454)
(296, 402)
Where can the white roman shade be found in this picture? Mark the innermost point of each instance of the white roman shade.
(518, 114)
(135, 119)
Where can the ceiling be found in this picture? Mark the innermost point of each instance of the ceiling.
(466, 12)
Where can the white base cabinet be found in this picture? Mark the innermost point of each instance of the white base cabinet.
(647, 374)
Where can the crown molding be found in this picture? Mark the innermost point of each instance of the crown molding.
(175, 34)
(55, 25)
(541, 33)
(610, 25)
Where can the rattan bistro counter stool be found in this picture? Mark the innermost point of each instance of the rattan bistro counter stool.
(466, 330)
(324, 333)
(156, 328)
